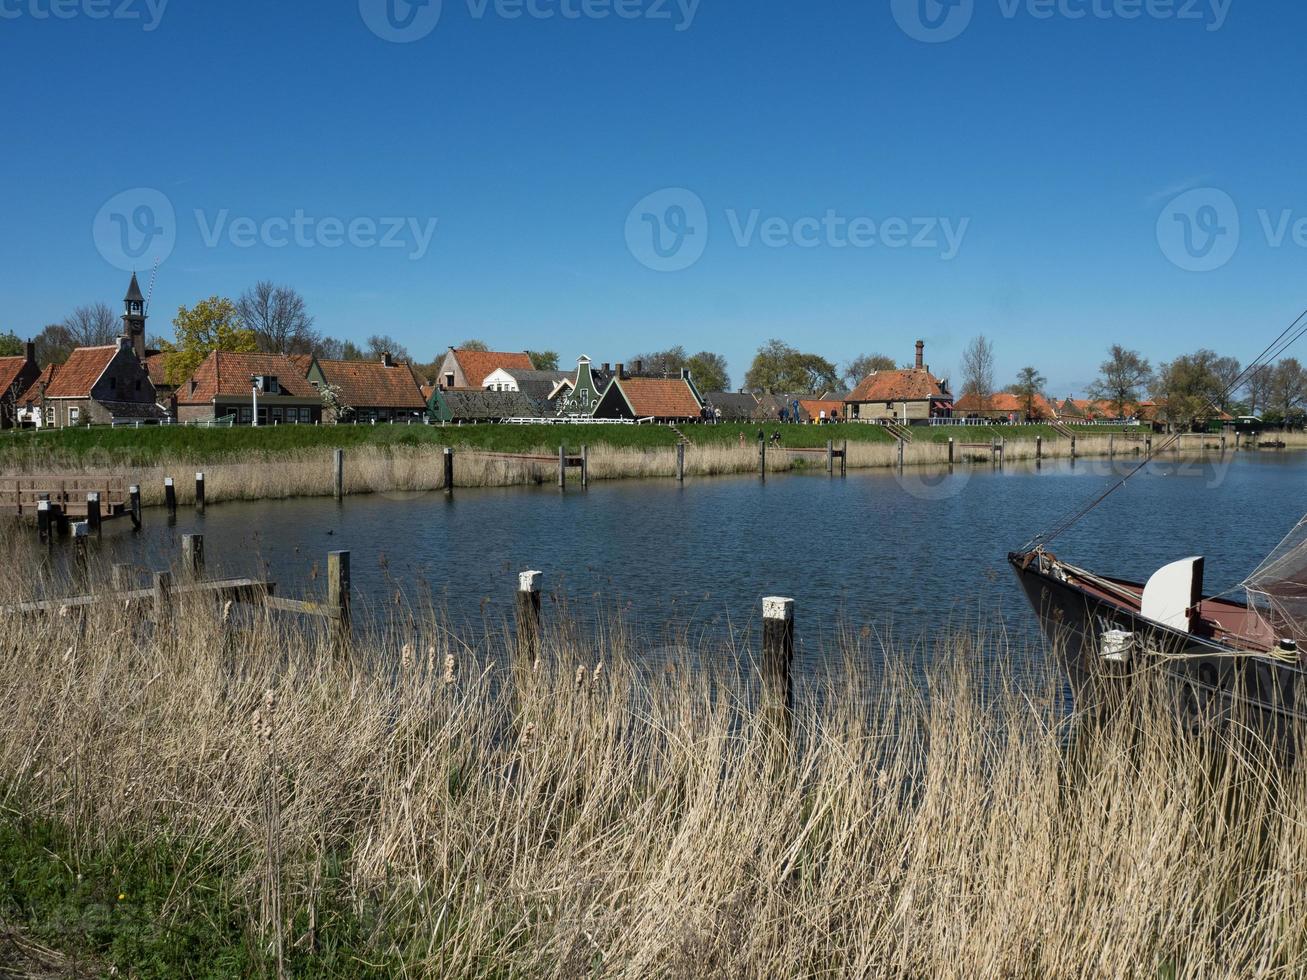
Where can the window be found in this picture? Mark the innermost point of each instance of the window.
(49, 415)
(449, 379)
(246, 415)
(267, 383)
(74, 415)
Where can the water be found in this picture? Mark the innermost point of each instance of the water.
(916, 553)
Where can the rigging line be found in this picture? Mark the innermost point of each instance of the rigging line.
(1277, 347)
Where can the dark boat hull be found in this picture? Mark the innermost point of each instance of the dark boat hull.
(1210, 681)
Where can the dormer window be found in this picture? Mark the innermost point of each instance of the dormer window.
(267, 383)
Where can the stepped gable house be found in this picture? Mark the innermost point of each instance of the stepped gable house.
(227, 384)
(17, 375)
(384, 390)
(469, 368)
(904, 395)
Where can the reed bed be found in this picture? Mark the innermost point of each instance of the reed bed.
(595, 813)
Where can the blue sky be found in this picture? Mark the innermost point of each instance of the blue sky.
(1054, 147)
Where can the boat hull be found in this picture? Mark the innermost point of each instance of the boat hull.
(1210, 681)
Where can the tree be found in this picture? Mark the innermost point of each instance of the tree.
(864, 365)
(709, 371)
(543, 360)
(1287, 389)
(279, 318)
(1258, 388)
(479, 345)
(1227, 371)
(978, 372)
(94, 325)
(379, 344)
(1029, 386)
(213, 324)
(778, 367)
(1188, 388)
(1122, 379)
(666, 363)
(11, 345)
(53, 344)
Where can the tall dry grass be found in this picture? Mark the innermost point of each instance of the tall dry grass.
(589, 814)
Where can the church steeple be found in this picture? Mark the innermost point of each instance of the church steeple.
(134, 318)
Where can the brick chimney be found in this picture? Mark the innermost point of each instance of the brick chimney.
(638, 368)
(921, 354)
(604, 369)
(387, 359)
(30, 350)
(621, 374)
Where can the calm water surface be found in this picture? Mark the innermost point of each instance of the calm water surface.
(916, 553)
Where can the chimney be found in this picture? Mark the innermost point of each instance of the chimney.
(30, 351)
(621, 374)
(639, 367)
(685, 374)
(386, 359)
(921, 354)
(605, 368)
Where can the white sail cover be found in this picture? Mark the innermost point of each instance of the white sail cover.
(1278, 588)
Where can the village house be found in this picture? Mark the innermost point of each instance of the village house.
(905, 395)
(1005, 405)
(735, 406)
(470, 368)
(96, 385)
(659, 399)
(17, 375)
(542, 387)
(383, 390)
(587, 388)
(467, 405)
(227, 384)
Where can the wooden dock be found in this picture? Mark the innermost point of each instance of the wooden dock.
(22, 496)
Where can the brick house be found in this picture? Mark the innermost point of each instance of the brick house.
(97, 385)
(469, 368)
(227, 384)
(17, 375)
(370, 391)
(1004, 405)
(905, 395)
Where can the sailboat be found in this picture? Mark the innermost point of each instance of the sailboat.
(1224, 652)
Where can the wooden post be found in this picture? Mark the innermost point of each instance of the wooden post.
(338, 470)
(844, 459)
(93, 511)
(170, 496)
(1073, 447)
(1111, 445)
(1039, 448)
(900, 454)
(193, 555)
(81, 560)
(44, 524)
(585, 465)
(338, 589)
(122, 577)
(950, 450)
(449, 469)
(562, 467)
(134, 502)
(1148, 444)
(1002, 450)
(762, 458)
(1222, 443)
(528, 616)
(830, 456)
(199, 492)
(680, 462)
(162, 596)
(777, 659)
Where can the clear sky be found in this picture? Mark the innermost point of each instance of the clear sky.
(846, 176)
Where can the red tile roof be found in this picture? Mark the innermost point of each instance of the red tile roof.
(80, 372)
(906, 385)
(1006, 401)
(302, 361)
(10, 368)
(37, 388)
(157, 366)
(227, 375)
(477, 364)
(370, 384)
(666, 398)
(815, 406)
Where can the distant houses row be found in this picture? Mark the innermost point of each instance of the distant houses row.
(125, 382)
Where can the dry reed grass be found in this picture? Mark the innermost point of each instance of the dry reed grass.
(619, 821)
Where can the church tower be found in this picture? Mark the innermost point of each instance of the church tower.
(134, 318)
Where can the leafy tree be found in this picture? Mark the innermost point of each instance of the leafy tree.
(1188, 389)
(543, 360)
(213, 324)
(778, 367)
(379, 344)
(94, 325)
(864, 365)
(709, 371)
(11, 345)
(978, 372)
(279, 318)
(473, 345)
(1122, 379)
(1028, 386)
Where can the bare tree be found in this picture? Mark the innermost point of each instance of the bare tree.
(1258, 388)
(379, 344)
(864, 365)
(978, 373)
(279, 318)
(53, 344)
(94, 325)
(1122, 378)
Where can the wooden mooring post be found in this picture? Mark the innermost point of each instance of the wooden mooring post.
(1111, 445)
(199, 492)
(1039, 448)
(338, 590)
(1073, 447)
(585, 465)
(449, 469)
(93, 520)
(193, 556)
(338, 473)
(762, 458)
(830, 457)
(562, 467)
(777, 662)
(844, 459)
(81, 558)
(528, 617)
(44, 521)
(134, 504)
(680, 462)
(950, 450)
(900, 454)
(170, 496)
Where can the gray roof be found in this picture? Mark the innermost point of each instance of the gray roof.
(134, 292)
(488, 405)
(145, 411)
(733, 404)
(537, 385)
